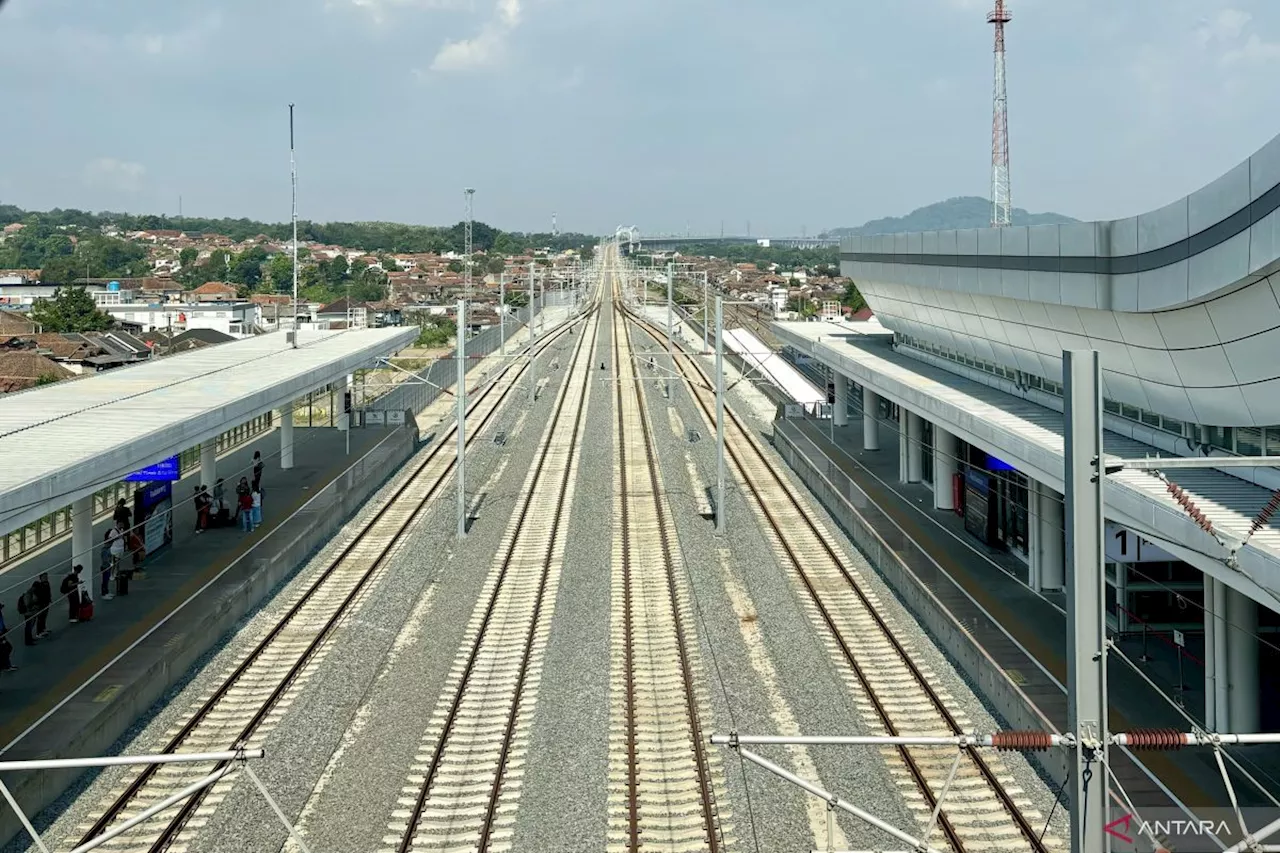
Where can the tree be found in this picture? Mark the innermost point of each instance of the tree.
(70, 309)
(187, 257)
(586, 253)
(455, 266)
(496, 265)
(852, 298)
(280, 272)
(246, 267)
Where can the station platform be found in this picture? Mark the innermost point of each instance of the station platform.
(997, 581)
(50, 671)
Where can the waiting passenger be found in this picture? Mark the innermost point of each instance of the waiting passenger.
(70, 589)
(44, 599)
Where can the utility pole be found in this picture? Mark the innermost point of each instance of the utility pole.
(461, 396)
(719, 414)
(293, 169)
(671, 277)
(502, 314)
(533, 337)
(706, 309)
(467, 248)
(1086, 632)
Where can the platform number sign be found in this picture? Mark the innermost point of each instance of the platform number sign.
(831, 393)
(346, 401)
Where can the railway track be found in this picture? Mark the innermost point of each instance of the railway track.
(257, 691)
(893, 693)
(662, 776)
(465, 782)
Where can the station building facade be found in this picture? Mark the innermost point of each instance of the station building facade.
(1183, 304)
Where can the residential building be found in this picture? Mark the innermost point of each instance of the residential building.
(237, 319)
(214, 291)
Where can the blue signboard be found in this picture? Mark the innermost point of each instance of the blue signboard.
(165, 469)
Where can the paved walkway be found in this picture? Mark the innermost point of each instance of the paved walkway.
(996, 579)
(54, 667)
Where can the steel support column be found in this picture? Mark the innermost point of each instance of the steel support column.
(1086, 602)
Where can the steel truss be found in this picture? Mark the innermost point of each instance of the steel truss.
(1016, 741)
(237, 758)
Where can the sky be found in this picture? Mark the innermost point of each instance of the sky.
(669, 115)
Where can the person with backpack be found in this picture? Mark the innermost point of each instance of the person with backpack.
(70, 590)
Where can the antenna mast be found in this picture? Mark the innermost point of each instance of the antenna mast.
(293, 170)
(1001, 196)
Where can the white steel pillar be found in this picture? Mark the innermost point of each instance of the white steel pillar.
(1035, 559)
(344, 417)
(946, 447)
(1052, 539)
(902, 446)
(1210, 657)
(82, 536)
(870, 419)
(841, 412)
(1242, 661)
(1086, 601)
(1218, 620)
(915, 447)
(286, 437)
(209, 461)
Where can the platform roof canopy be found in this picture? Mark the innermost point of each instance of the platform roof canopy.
(61, 442)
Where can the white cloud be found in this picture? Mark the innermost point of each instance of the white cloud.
(1227, 25)
(112, 174)
(1228, 35)
(486, 47)
(378, 10)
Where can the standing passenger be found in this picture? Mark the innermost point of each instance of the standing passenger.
(70, 589)
(44, 598)
(257, 470)
(256, 499)
(246, 512)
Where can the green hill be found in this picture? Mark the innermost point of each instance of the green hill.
(968, 211)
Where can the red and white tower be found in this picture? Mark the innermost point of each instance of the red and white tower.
(1001, 197)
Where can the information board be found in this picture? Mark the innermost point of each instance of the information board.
(977, 520)
(166, 470)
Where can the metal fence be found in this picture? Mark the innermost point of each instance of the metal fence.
(415, 394)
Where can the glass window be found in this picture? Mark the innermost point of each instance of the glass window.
(1133, 413)
(1249, 441)
(1222, 437)
(1273, 441)
(1175, 427)
(1150, 418)
(1111, 406)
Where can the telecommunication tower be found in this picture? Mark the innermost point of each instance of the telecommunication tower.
(1001, 196)
(467, 250)
(555, 229)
